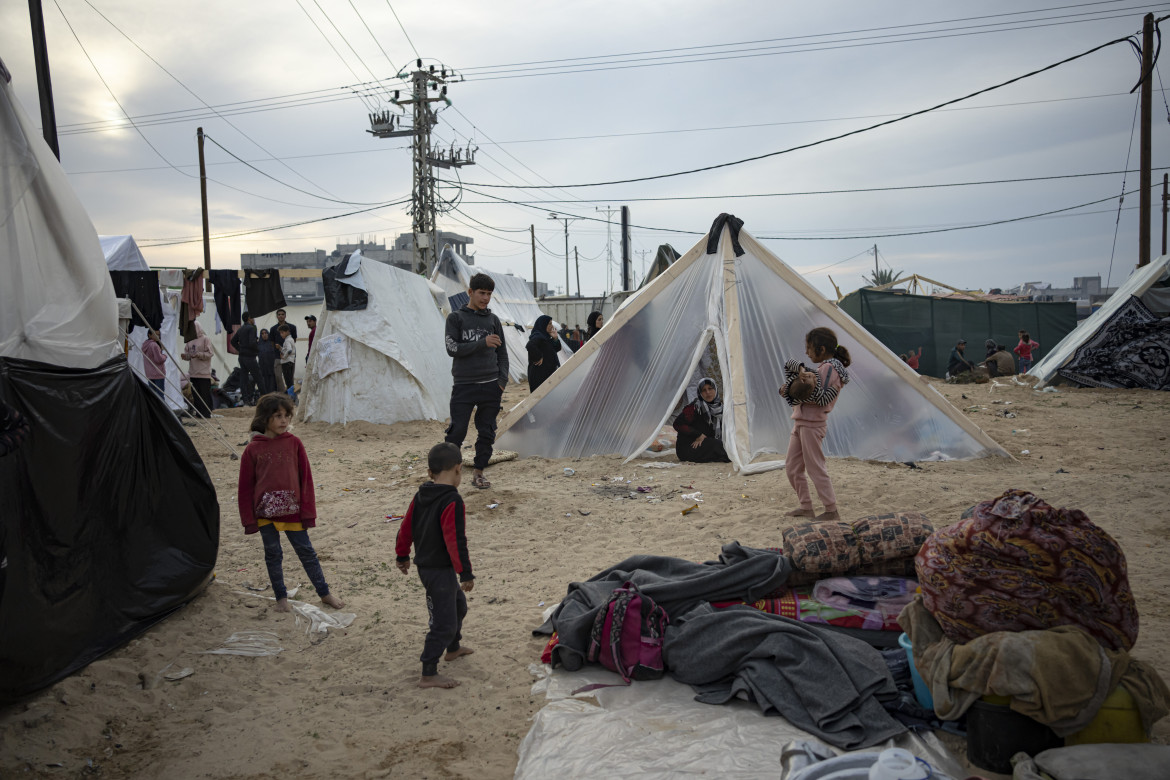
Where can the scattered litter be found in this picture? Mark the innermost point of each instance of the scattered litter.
(254, 643)
(654, 500)
(912, 464)
(1062, 471)
(570, 472)
(697, 497)
(1019, 430)
(250, 586)
(351, 525)
(690, 509)
(568, 514)
(319, 621)
(688, 487)
(619, 479)
(1025, 452)
(541, 604)
(329, 450)
(367, 490)
(585, 512)
(371, 479)
(493, 505)
(633, 494)
(645, 489)
(659, 465)
(1048, 389)
(1008, 414)
(392, 518)
(346, 490)
(186, 671)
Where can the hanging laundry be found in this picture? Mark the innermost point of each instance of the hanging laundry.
(226, 284)
(263, 293)
(170, 277)
(141, 287)
(193, 295)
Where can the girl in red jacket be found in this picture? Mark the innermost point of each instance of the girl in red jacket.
(276, 494)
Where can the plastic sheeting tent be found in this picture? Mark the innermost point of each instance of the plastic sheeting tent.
(1149, 285)
(618, 390)
(111, 522)
(385, 363)
(122, 253)
(512, 302)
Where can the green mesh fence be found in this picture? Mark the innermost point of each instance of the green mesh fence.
(906, 322)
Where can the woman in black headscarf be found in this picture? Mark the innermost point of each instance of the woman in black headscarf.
(700, 427)
(543, 352)
(594, 321)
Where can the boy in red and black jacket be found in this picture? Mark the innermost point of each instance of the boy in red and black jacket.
(434, 524)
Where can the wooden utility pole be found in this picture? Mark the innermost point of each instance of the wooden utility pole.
(44, 83)
(203, 202)
(532, 235)
(875, 264)
(1144, 182)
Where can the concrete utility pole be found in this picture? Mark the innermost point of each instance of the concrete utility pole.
(532, 235)
(577, 262)
(609, 212)
(1144, 182)
(1165, 198)
(567, 220)
(387, 125)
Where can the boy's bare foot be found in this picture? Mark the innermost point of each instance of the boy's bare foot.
(437, 681)
(282, 605)
(830, 516)
(332, 601)
(453, 654)
(801, 513)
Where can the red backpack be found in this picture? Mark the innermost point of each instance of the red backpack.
(627, 635)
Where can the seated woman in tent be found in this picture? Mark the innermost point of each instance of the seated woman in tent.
(543, 352)
(700, 427)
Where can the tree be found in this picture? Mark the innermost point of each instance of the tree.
(882, 276)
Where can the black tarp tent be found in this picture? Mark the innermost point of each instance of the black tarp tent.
(110, 521)
(905, 322)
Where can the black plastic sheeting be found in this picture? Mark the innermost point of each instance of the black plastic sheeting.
(109, 519)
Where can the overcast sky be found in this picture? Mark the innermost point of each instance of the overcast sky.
(585, 92)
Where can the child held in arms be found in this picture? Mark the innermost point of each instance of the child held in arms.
(812, 394)
(434, 524)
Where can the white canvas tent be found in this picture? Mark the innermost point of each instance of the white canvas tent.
(57, 303)
(512, 302)
(618, 389)
(1149, 285)
(385, 363)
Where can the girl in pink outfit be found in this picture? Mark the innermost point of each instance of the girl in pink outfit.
(1024, 350)
(809, 417)
(154, 363)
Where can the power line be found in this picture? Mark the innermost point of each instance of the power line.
(831, 138)
(404, 32)
(378, 43)
(191, 92)
(787, 49)
(343, 37)
(344, 61)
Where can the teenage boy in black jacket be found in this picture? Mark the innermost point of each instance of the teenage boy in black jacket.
(479, 366)
(435, 523)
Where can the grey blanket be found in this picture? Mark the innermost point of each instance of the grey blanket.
(823, 682)
(675, 584)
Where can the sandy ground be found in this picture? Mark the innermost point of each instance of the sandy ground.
(347, 706)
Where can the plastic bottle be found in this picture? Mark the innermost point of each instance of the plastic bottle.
(898, 764)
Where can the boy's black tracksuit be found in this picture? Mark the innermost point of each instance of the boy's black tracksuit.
(435, 525)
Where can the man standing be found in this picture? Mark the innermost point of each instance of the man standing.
(280, 317)
(247, 344)
(479, 366)
(311, 322)
(958, 363)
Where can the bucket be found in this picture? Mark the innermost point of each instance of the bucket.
(995, 733)
(921, 689)
(1118, 720)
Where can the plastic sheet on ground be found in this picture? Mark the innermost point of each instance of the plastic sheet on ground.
(657, 730)
(253, 643)
(317, 620)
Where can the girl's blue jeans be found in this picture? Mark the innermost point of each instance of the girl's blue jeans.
(274, 559)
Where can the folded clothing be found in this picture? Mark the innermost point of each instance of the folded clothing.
(1014, 563)
(830, 607)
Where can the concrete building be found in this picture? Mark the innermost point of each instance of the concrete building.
(1086, 291)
